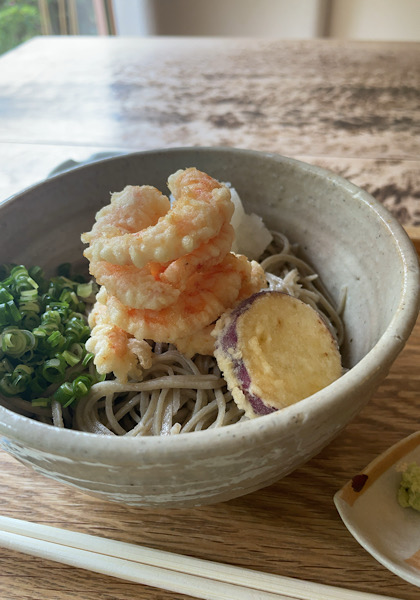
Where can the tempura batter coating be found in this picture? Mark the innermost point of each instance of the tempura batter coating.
(156, 286)
(130, 211)
(169, 280)
(202, 206)
(208, 254)
(138, 288)
(114, 349)
(206, 297)
(202, 341)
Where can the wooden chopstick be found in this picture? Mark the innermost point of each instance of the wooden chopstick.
(176, 573)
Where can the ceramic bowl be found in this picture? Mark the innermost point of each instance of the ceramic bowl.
(349, 238)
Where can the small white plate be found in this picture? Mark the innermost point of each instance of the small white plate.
(370, 510)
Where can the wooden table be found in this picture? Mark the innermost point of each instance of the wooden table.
(350, 107)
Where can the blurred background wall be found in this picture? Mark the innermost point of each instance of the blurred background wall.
(285, 19)
(256, 18)
(348, 19)
(375, 19)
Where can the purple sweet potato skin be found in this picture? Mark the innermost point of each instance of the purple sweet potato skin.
(230, 340)
(258, 360)
(257, 404)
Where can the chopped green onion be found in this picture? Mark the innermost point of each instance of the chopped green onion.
(78, 349)
(84, 290)
(21, 280)
(87, 359)
(26, 307)
(5, 296)
(30, 320)
(56, 340)
(22, 376)
(15, 342)
(5, 366)
(81, 385)
(70, 358)
(37, 274)
(43, 330)
(23, 369)
(77, 329)
(54, 370)
(7, 386)
(51, 318)
(9, 313)
(13, 384)
(64, 394)
(43, 402)
(28, 296)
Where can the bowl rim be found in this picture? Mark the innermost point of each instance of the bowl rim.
(125, 450)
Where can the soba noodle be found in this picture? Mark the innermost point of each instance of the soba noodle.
(177, 394)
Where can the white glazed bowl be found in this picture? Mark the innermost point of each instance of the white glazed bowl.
(349, 238)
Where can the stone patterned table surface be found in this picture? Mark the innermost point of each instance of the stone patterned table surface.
(351, 107)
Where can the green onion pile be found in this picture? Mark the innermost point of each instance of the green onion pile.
(43, 330)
